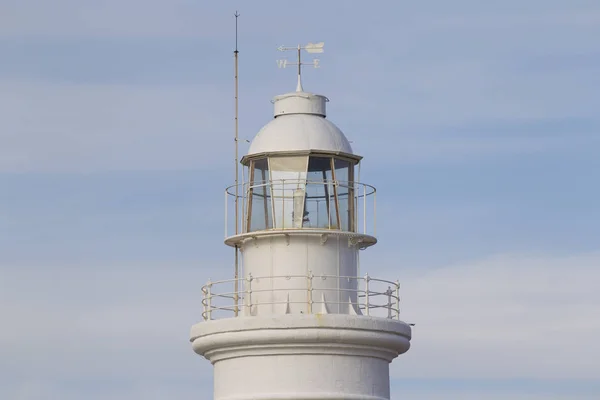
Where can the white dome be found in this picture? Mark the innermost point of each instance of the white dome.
(300, 132)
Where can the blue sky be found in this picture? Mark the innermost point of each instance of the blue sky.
(479, 126)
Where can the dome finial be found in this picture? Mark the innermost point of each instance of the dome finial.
(299, 85)
(310, 48)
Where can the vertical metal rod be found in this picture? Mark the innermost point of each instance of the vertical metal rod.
(265, 196)
(358, 263)
(249, 292)
(355, 195)
(328, 204)
(389, 303)
(273, 192)
(375, 212)
(335, 196)
(245, 187)
(351, 185)
(367, 294)
(398, 299)
(236, 283)
(299, 86)
(235, 56)
(365, 209)
(299, 63)
(208, 300)
(358, 199)
(310, 291)
(237, 222)
(318, 214)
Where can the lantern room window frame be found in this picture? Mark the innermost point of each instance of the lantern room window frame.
(283, 208)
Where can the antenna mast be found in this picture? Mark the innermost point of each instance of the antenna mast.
(236, 266)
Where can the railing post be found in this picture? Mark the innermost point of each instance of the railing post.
(356, 194)
(397, 299)
(328, 205)
(389, 303)
(226, 205)
(364, 209)
(236, 296)
(367, 311)
(310, 291)
(271, 187)
(249, 292)
(375, 212)
(208, 300)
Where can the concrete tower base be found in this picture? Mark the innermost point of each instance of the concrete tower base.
(318, 356)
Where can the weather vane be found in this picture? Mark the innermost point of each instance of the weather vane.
(312, 48)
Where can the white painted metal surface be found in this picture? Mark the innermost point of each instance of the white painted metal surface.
(300, 322)
(300, 103)
(299, 255)
(341, 357)
(299, 132)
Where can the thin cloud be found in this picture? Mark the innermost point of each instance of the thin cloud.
(54, 127)
(505, 316)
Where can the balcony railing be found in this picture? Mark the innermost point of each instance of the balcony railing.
(357, 295)
(285, 204)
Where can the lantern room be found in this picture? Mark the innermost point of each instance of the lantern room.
(300, 170)
(300, 173)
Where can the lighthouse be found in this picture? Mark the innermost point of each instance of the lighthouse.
(303, 319)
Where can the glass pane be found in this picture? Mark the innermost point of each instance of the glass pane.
(288, 186)
(260, 197)
(343, 176)
(320, 199)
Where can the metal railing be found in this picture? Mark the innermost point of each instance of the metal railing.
(362, 295)
(302, 204)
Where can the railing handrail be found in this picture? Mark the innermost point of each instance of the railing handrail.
(301, 276)
(364, 296)
(230, 190)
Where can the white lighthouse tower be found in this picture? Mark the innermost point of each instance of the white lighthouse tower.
(301, 321)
